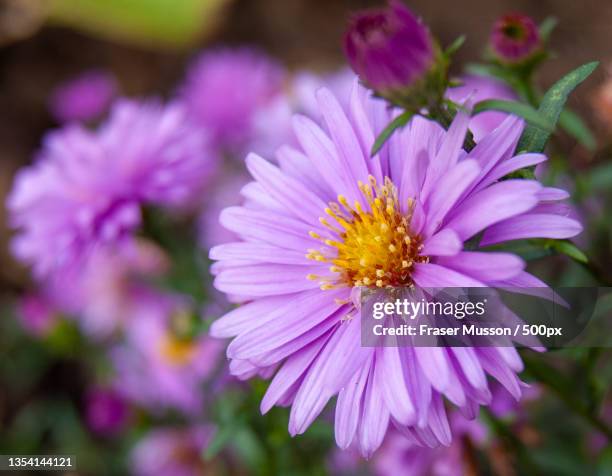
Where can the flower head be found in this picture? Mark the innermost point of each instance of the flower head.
(329, 219)
(158, 367)
(515, 38)
(86, 188)
(390, 50)
(83, 98)
(224, 90)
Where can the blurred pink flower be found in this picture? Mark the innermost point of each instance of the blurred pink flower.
(84, 97)
(106, 411)
(86, 188)
(225, 88)
(172, 452)
(401, 456)
(515, 38)
(158, 368)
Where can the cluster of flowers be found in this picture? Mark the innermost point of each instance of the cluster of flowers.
(319, 219)
(79, 211)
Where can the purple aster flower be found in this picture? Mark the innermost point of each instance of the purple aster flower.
(226, 87)
(106, 411)
(172, 451)
(389, 49)
(85, 97)
(330, 219)
(86, 188)
(481, 88)
(157, 367)
(515, 38)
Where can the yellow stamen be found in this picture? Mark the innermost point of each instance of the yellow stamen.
(373, 243)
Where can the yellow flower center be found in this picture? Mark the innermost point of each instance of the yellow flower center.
(375, 245)
(176, 351)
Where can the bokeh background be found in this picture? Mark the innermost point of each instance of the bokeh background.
(147, 45)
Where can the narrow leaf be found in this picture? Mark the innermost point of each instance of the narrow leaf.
(571, 250)
(534, 138)
(520, 109)
(454, 46)
(398, 122)
(547, 27)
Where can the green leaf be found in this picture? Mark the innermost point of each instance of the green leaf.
(575, 126)
(520, 109)
(534, 138)
(569, 249)
(454, 46)
(398, 122)
(547, 27)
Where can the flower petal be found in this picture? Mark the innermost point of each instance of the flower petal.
(297, 317)
(291, 193)
(484, 266)
(349, 406)
(430, 275)
(492, 205)
(291, 371)
(531, 225)
(444, 243)
(257, 253)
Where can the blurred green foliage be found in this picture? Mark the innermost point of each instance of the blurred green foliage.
(159, 23)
